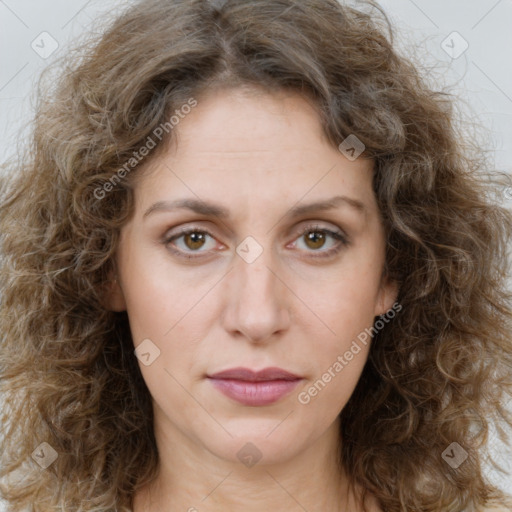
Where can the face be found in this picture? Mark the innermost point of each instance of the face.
(244, 275)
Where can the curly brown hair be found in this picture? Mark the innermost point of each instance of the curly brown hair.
(439, 373)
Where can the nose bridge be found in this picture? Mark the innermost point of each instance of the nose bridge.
(257, 306)
(255, 276)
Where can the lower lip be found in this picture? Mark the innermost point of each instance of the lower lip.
(255, 393)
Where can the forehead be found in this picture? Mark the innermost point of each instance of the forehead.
(246, 120)
(236, 145)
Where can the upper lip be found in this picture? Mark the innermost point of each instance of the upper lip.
(246, 374)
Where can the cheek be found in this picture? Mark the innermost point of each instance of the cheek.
(155, 298)
(325, 396)
(164, 309)
(341, 306)
(346, 309)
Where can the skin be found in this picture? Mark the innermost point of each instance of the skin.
(258, 155)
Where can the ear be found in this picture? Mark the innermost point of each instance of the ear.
(388, 293)
(113, 296)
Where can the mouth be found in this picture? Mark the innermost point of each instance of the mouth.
(246, 374)
(255, 388)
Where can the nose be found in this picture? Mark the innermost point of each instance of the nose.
(257, 300)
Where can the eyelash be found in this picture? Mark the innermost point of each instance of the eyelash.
(337, 235)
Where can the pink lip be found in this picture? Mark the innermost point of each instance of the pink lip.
(255, 388)
(271, 373)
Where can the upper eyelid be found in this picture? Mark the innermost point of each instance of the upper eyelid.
(306, 225)
(311, 226)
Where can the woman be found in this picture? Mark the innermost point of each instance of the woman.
(249, 263)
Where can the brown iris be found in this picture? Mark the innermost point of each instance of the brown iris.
(317, 238)
(197, 240)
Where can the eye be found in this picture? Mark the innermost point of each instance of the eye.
(315, 238)
(195, 240)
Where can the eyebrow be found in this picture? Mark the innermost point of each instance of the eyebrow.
(215, 210)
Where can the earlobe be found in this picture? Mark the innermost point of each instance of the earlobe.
(113, 298)
(388, 294)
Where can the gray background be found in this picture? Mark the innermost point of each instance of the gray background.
(474, 62)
